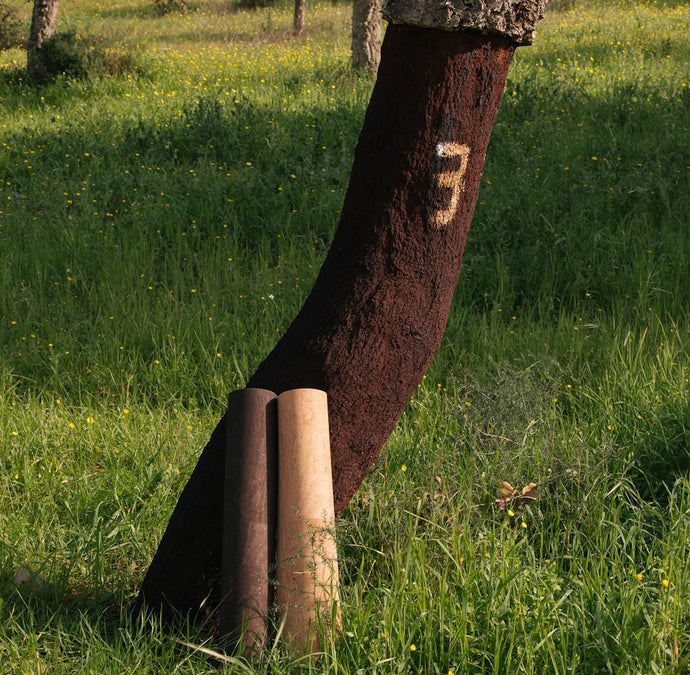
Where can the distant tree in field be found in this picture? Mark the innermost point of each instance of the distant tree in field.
(298, 17)
(43, 21)
(366, 34)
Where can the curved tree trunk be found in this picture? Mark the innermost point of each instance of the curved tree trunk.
(366, 34)
(43, 22)
(378, 310)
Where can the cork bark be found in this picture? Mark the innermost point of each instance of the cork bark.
(514, 19)
(378, 310)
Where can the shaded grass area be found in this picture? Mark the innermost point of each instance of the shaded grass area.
(159, 231)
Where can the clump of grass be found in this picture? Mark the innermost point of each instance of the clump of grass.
(561, 5)
(163, 7)
(68, 54)
(11, 29)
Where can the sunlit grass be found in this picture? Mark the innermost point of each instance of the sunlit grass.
(160, 229)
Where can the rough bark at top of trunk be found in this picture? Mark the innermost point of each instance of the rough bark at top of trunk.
(514, 19)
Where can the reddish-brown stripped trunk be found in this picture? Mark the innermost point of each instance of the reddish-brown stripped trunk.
(378, 310)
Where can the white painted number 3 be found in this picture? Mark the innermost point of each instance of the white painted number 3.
(454, 179)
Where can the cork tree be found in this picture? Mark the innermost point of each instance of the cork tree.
(298, 17)
(366, 34)
(43, 21)
(378, 309)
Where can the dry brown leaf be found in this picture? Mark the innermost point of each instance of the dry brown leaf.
(528, 488)
(505, 489)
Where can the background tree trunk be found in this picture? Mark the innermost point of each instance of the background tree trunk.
(377, 312)
(298, 17)
(43, 21)
(366, 34)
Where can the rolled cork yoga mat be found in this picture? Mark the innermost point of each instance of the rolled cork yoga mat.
(249, 518)
(306, 557)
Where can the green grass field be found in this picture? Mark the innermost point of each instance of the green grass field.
(159, 229)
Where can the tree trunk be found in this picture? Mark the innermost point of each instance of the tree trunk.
(298, 17)
(375, 317)
(43, 22)
(366, 34)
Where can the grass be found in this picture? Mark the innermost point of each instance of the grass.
(160, 229)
